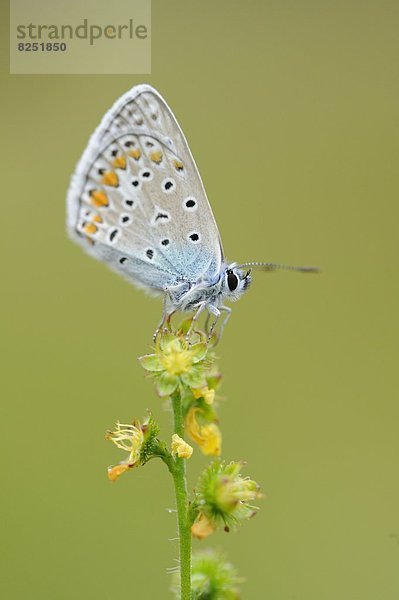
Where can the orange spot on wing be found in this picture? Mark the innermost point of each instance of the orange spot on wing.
(119, 162)
(135, 153)
(178, 165)
(97, 219)
(99, 198)
(156, 156)
(90, 228)
(110, 178)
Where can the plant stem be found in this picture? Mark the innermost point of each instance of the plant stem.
(179, 478)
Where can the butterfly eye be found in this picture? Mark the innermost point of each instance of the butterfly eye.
(232, 280)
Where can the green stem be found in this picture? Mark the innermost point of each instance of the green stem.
(179, 478)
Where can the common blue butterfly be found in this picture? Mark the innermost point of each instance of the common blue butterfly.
(136, 201)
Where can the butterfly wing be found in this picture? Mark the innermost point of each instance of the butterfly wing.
(137, 202)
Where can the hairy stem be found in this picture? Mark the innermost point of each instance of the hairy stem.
(179, 478)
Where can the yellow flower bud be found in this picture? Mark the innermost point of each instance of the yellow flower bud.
(208, 436)
(180, 448)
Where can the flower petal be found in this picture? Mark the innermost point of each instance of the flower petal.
(199, 351)
(165, 339)
(212, 440)
(180, 447)
(151, 362)
(166, 384)
(194, 378)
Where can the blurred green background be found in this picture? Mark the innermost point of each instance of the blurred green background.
(291, 111)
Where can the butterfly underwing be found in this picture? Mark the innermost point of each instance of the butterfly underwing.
(136, 202)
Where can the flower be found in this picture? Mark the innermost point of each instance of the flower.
(139, 440)
(176, 359)
(176, 362)
(223, 495)
(129, 438)
(180, 447)
(208, 436)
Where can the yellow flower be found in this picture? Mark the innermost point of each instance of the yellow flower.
(129, 438)
(202, 527)
(205, 393)
(180, 447)
(176, 359)
(139, 440)
(176, 362)
(208, 436)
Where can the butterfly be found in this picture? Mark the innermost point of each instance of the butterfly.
(137, 202)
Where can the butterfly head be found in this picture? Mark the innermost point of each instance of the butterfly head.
(235, 281)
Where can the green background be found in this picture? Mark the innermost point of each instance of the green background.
(291, 111)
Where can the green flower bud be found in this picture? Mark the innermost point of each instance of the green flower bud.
(224, 496)
(213, 578)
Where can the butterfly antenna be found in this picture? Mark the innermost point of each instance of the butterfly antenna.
(266, 266)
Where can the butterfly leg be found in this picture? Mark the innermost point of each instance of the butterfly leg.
(208, 317)
(228, 312)
(166, 315)
(195, 318)
(216, 312)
